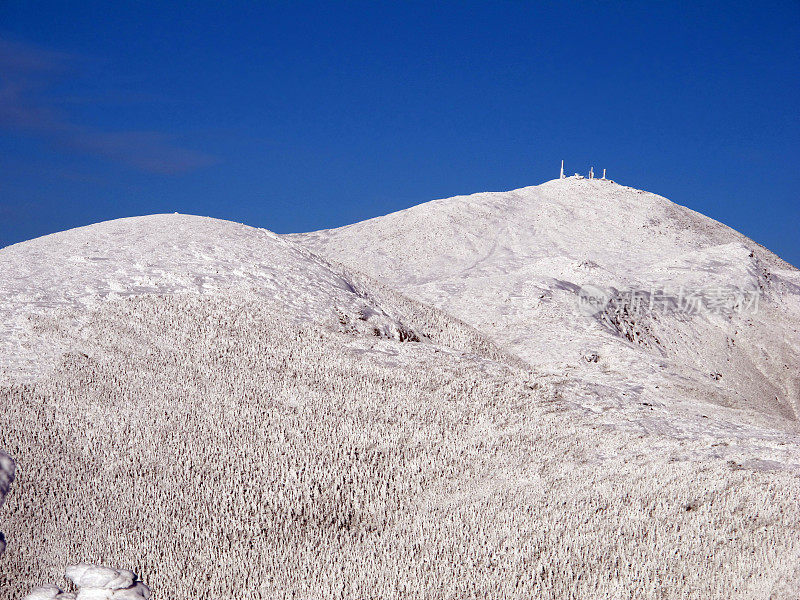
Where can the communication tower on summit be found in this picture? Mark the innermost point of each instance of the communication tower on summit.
(591, 173)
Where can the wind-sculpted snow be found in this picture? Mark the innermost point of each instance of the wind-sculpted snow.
(95, 583)
(224, 450)
(515, 265)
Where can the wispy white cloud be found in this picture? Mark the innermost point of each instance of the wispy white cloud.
(28, 75)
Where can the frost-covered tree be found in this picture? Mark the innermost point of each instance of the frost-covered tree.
(223, 450)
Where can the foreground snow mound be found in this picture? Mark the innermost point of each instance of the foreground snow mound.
(517, 266)
(49, 592)
(95, 583)
(66, 273)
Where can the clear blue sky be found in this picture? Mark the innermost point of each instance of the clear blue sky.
(302, 115)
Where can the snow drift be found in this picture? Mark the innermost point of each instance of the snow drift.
(95, 583)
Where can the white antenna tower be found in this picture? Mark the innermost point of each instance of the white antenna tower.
(591, 172)
(604, 174)
(562, 169)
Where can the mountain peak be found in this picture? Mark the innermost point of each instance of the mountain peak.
(513, 265)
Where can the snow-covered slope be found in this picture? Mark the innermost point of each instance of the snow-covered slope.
(517, 266)
(221, 450)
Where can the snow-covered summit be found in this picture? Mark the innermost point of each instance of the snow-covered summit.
(164, 254)
(514, 264)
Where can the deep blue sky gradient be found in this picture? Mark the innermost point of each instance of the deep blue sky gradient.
(300, 116)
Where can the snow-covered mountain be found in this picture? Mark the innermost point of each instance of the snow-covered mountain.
(229, 413)
(520, 265)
